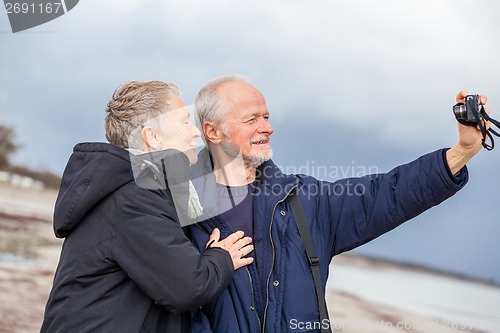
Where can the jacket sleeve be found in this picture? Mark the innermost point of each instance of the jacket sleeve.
(362, 209)
(153, 250)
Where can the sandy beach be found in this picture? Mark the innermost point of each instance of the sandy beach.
(29, 254)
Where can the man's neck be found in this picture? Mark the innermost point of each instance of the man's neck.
(233, 171)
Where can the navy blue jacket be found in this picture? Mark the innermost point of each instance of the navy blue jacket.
(341, 216)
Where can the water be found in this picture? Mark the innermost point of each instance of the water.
(458, 304)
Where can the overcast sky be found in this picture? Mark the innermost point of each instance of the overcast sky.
(351, 83)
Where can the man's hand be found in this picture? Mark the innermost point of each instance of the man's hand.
(470, 136)
(469, 142)
(237, 246)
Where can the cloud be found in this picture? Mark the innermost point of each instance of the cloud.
(392, 65)
(357, 62)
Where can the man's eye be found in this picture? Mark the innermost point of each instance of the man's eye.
(251, 120)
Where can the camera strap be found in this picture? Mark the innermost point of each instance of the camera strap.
(305, 234)
(487, 132)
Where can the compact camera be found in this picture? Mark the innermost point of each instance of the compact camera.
(468, 113)
(471, 113)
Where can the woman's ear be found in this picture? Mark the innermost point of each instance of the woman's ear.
(211, 132)
(150, 138)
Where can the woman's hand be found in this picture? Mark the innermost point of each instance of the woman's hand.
(237, 246)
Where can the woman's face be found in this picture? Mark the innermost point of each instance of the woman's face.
(177, 131)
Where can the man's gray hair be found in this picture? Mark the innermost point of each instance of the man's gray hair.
(209, 106)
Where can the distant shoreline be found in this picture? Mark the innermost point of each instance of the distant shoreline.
(376, 260)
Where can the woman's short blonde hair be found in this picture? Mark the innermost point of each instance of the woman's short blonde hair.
(132, 105)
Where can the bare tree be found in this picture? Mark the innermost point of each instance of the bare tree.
(7, 145)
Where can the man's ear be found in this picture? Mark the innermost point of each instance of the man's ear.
(150, 139)
(211, 132)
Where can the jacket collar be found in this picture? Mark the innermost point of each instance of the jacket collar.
(273, 182)
(271, 186)
(269, 176)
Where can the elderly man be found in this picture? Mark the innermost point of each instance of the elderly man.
(277, 292)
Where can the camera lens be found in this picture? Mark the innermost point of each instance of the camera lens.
(460, 111)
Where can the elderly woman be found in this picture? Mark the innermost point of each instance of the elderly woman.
(126, 265)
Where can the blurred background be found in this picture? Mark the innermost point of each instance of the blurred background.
(353, 87)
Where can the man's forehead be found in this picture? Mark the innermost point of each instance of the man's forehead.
(242, 95)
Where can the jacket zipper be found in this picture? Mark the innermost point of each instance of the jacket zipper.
(272, 266)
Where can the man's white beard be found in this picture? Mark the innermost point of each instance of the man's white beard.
(254, 160)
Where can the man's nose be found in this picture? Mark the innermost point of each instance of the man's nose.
(265, 127)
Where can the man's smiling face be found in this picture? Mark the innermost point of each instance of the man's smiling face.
(246, 127)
